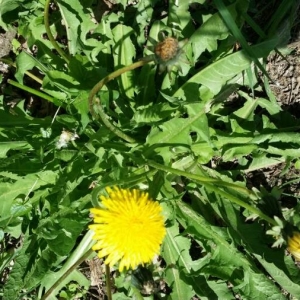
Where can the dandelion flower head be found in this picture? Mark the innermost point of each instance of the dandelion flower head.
(129, 228)
(294, 245)
(167, 53)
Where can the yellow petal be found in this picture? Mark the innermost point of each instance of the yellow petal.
(129, 228)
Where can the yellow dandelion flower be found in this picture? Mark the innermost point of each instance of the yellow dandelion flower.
(128, 229)
(294, 245)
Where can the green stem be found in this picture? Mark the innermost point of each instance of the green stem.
(31, 90)
(202, 179)
(49, 33)
(67, 273)
(212, 184)
(242, 204)
(100, 109)
(9, 62)
(108, 282)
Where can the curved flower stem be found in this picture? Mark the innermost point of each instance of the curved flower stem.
(31, 90)
(212, 184)
(100, 109)
(243, 204)
(204, 180)
(49, 33)
(108, 282)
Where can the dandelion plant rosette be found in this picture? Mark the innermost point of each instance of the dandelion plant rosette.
(128, 227)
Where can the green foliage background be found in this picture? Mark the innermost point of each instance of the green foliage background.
(184, 132)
